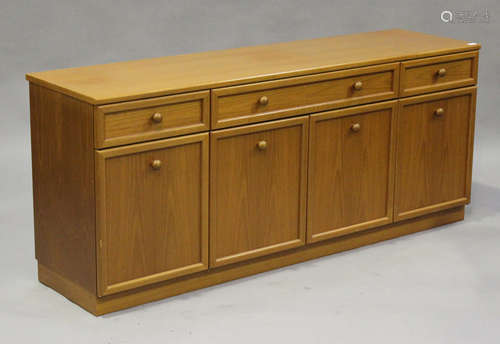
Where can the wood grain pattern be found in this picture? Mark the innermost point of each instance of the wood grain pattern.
(421, 76)
(128, 80)
(300, 95)
(152, 224)
(139, 296)
(131, 122)
(433, 167)
(351, 173)
(257, 197)
(63, 185)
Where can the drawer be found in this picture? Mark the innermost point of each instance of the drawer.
(149, 119)
(287, 97)
(438, 73)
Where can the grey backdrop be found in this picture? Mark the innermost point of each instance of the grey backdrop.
(440, 286)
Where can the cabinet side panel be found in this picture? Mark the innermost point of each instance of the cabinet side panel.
(63, 185)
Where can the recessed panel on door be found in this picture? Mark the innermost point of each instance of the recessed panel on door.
(434, 154)
(258, 190)
(152, 212)
(351, 157)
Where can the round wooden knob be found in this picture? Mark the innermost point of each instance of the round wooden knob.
(157, 117)
(263, 100)
(357, 85)
(356, 127)
(262, 145)
(156, 164)
(441, 72)
(439, 112)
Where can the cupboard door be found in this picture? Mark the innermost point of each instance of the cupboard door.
(434, 152)
(350, 170)
(152, 212)
(257, 190)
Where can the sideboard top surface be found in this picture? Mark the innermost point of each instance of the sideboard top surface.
(119, 81)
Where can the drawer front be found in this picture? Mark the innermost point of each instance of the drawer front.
(152, 212)
(438, 73)
(434, 152)
(258, 180)
(149, 119)
(351, 170)
(276, 99)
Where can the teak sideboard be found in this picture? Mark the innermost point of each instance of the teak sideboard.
(156, 177)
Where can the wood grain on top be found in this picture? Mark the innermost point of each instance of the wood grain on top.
(137, 79)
